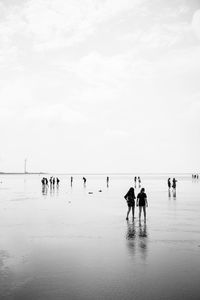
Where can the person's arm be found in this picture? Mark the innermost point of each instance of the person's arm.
(125, 197)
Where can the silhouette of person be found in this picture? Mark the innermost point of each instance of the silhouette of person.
(174, 181)
(57, 180)
(169, 183)
(84, 181)
(107, 181)
(130, 198)
(142, 203)
(71, 180)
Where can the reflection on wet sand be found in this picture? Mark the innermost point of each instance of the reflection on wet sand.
(137, 238)
(44, 190)
(5, 276)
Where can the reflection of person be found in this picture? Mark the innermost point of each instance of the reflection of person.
(142, 202)
(143, 239)
(131, 237)
(174, 194)
(130, 198)
(131, 232)
(142, 230)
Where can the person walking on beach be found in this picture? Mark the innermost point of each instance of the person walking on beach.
(130, 198)
(174, 181)
(57, 181)
(107, 181)
(169, 183)
(142, 203)
(84, 181)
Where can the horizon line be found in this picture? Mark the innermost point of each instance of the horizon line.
(93, 173)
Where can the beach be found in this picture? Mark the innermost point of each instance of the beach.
(75, 243)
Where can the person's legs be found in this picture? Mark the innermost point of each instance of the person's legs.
(144, 210)
(129, 209)
(140, 210)
(133, 211)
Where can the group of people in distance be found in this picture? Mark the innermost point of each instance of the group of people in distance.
(173, 184)
(52, 180)
(137, 179)
(141, 202)
(195, 176)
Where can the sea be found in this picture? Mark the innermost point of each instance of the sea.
(73, 241)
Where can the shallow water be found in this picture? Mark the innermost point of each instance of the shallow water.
(65, 243)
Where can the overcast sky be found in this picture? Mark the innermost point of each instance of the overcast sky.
(100, 85)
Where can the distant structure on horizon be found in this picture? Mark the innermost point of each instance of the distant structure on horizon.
(25, 171)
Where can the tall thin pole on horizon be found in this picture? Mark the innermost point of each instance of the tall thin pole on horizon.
(25, 166)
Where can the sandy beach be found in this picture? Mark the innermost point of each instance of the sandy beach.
(74, 242)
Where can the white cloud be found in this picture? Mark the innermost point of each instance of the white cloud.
(59, 113)
(117, 133)
(57, 23)
(196, 23)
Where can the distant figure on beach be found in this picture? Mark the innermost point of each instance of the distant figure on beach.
(84, 181)
(139, 181)
(142, 203)
(57, 180)
(130, 198)
(44, 181)
(53, 181)
(174, 181)
(169, 183)
(195, 176)
(71, 180)
(107, 181)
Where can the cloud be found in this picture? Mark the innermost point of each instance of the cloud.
(117, 133)
(57, 23)
(59, 113)
(196, 23)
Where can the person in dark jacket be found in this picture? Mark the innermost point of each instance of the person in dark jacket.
(142, 203)
(130, 198)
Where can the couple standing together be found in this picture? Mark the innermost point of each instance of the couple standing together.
(141, 202)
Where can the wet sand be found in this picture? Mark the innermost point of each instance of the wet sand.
(68, 244)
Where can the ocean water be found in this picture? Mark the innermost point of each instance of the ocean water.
(74, 242)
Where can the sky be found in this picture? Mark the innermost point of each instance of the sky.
(100, 86)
